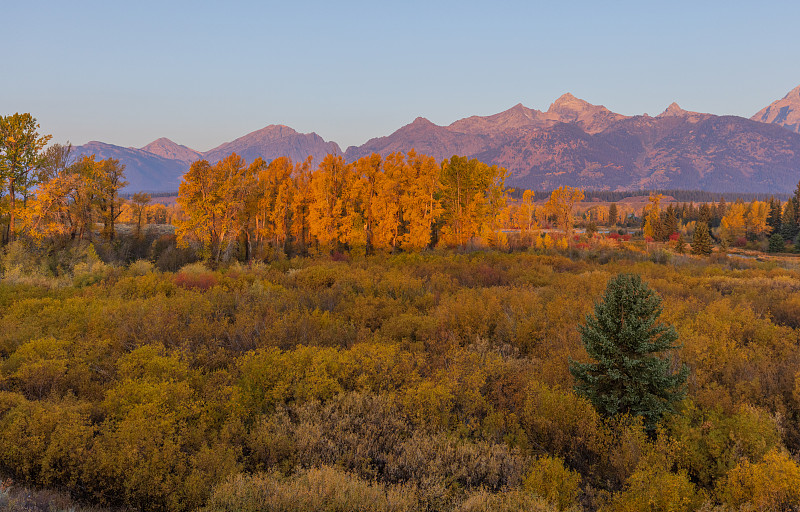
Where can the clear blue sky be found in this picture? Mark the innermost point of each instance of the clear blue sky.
(203, 73)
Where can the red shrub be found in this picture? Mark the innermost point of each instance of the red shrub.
(195, 280)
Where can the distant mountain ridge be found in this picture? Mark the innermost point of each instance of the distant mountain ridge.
(159, 166)
(572, 143)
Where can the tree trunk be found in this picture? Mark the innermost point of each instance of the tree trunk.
(12, 213)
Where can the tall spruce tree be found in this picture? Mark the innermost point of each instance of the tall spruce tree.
(613, 214)
(789, 221)
(774, 215)
(701, 241)
(624, 338)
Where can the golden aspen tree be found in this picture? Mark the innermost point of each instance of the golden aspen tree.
(247, 210)
(49, 214)
(561, 204)
(268, 223)
(301, 205)
(525, 215)
(20, 154)
(330, 194)
(734, 223)
(199, 200)
(388, 202)
(652, 224)
(419, 200)
(757, 213)
(212, 199)
(140, 201)
(472, 195)
(109, 176)
(282, 210)
(366, 190)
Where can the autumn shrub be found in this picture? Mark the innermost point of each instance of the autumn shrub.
(18, 498)
(168, 257)
(772, 484)
(506, 501)
(549, 479)
(140, 268)
(562, 424)
(311, 490)
(709, 442)
(654, 488)
(195, 276)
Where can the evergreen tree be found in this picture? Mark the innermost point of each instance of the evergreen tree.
(775, 214)
(691, 212)
(670, 222)
(629, 375)
(701, 242)
(789, 221)
(613, 214)
(722, 208)
(680, 245)
(776, 243)
(704, 213)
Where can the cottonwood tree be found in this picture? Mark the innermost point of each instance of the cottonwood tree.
(20, 154)
(561, 204)
(213, 199)
(472, 195)
(77, 196)
(624, 338)
(140, 201)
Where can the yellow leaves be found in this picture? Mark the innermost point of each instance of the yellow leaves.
(213, 199)
(560, 205)
(770, 485)
(549, 479)
(473, 195)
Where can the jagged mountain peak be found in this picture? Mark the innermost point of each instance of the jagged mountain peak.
(569, 102)
(592, 118)
(784, 112)
(793, 94)
(672, 110)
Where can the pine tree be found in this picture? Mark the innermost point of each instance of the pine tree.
(789, 221)
(623, 337)
(680, 245)
(775, 214)
(613, 214)
(776, 243)
(701, 242)
(670, 222)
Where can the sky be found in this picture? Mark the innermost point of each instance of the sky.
(203, 73)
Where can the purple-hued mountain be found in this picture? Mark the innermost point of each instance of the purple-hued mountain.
(275, 141)
(784, 112)
(144, 171)
(159, 166)
(572, 143)
(166, 148)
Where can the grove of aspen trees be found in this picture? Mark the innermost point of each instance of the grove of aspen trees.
(391, 334)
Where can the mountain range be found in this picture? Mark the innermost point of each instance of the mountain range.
(572, 143)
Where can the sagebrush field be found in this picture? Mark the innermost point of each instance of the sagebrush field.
(428, 381)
